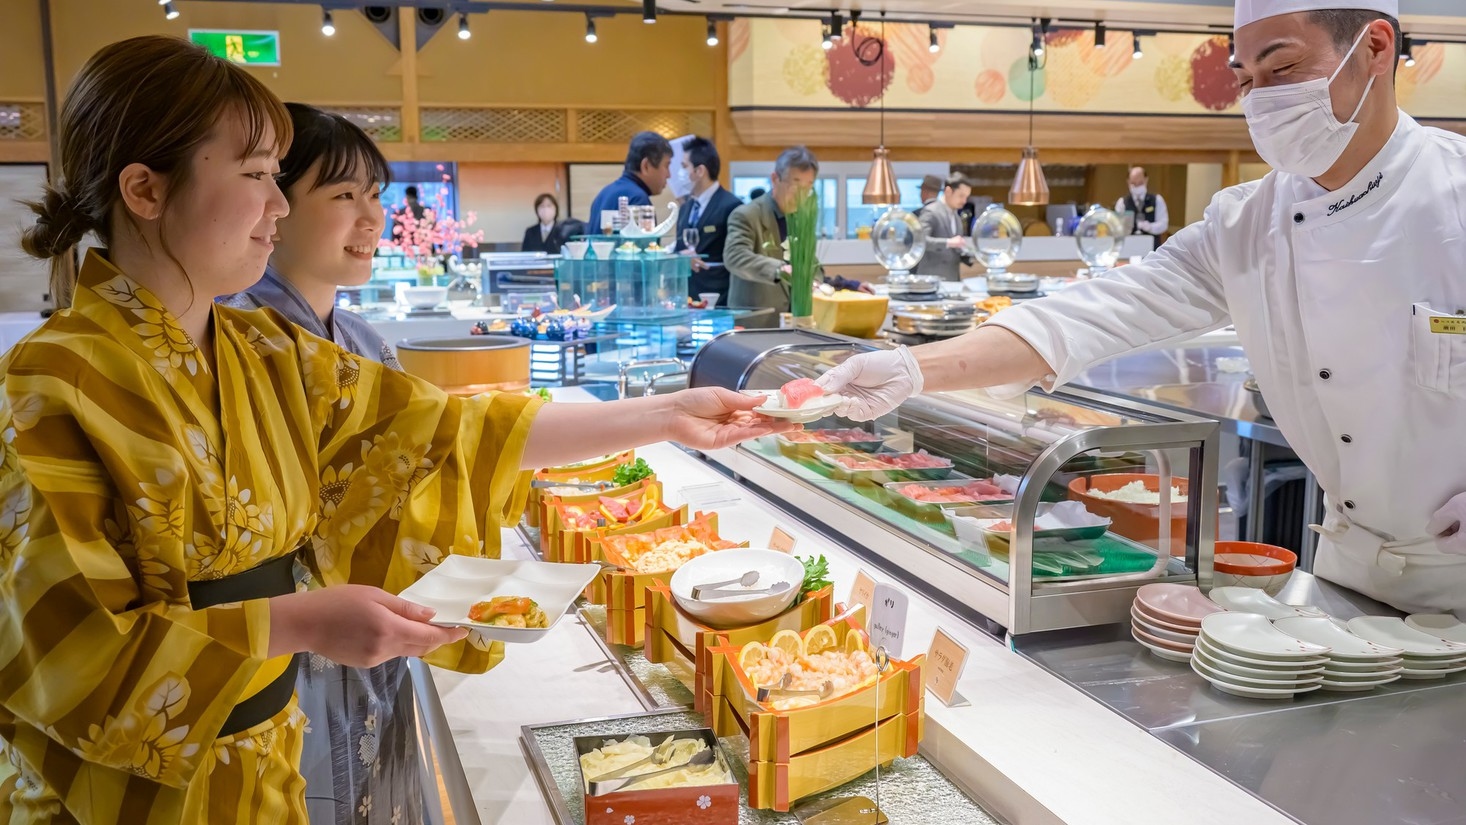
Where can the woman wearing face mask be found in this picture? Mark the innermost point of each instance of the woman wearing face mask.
(545, 236)
(1342, 272)
(332, 178)
(166, 461)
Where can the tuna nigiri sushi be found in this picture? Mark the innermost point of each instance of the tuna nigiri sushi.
(799, 391)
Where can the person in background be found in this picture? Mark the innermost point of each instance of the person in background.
(754, 252)
(706, 210)
(931, 188)
(412, 205)
(946, 239)
(547, 235)
(1149, 209)
(332, 177)
(647, 170)
(756, 193)
(168, 460)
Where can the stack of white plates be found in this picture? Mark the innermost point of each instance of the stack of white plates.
(1166, 619)
(1355, 664)
(1244, 655)
(1254, 600)
(1425, 656)
(1441, 625)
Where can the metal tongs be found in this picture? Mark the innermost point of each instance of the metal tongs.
(713, 595)
(701, 759)
(597, 486)
(783, 692)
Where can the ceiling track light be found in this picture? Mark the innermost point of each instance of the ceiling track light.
(170, 11)
(827, 41)
(1407, 53)
(837, 25)
(932, 38)
(1139, 50)
(1040, 34)
(463, 32)
(1231, 48)
(649, 11)
(1099, 35)
(328, 27)
(590, 29)
(712, 32)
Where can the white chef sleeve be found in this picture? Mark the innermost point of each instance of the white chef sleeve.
(1171, 296)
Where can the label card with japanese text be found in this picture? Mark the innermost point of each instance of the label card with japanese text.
(888, 620)
(781, 540)
(944, 662)
(863, 593)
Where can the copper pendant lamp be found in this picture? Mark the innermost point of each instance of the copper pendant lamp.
(880, 184)
(1030, 187)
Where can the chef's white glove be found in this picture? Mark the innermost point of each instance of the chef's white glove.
(873, 383)
(1448, 525)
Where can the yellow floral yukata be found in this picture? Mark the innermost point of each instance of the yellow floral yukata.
(131, 467)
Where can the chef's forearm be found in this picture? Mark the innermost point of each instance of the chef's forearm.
(985, 357)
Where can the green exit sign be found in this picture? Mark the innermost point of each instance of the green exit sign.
(253, 48)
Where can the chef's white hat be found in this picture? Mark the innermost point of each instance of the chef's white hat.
(1250, 11)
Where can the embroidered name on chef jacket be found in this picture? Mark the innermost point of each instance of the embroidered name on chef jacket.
(1345, 204)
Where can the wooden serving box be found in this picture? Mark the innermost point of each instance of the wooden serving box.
(624, 592)
(534, 512)
(697, 805)
(560, 542)
(549, 508)
(672, 636)
(801, 751)
(547, 500)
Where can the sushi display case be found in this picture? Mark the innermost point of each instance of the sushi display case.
(1038, 512)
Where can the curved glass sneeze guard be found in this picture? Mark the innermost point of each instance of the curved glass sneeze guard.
(953, 471)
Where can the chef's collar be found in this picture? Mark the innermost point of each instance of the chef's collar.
(1375, 183)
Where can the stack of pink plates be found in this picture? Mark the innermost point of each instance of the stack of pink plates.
(1425, 656)
(1244, 655)
(1166, 619)
(1354, 664)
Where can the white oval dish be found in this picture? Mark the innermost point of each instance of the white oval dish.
(1265, 674)
(813, 410)
(1386, 630)
(1253, 600)
(1268, 664)
(1440, 625)
(1253, 635)
(1211, 673)
(1342, 643)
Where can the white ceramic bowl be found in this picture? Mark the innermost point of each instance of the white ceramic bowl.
(424, 297)
(575, 250)
(738, 611)
(603, 249)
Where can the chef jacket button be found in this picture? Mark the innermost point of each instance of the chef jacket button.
(1349, 505)
(1325, 374)
(1346, 438)
(1298, 217)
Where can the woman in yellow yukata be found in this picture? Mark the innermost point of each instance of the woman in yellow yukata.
(163, 461)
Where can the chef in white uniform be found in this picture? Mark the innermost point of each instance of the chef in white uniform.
(1344, 271)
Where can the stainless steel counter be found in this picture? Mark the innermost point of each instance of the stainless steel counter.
(1187, 379)
(1392, 755)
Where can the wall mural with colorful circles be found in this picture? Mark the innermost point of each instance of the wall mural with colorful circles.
(780, 63)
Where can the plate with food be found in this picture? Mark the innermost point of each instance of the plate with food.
(800, 401)
(504, 600)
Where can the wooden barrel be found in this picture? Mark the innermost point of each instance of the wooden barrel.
(468, 365)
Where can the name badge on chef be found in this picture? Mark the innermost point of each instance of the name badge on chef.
(1448, 324)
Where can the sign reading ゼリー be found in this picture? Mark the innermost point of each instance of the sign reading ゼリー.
(252, 48)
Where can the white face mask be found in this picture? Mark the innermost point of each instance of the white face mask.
(1138, 193)
(1294, 127)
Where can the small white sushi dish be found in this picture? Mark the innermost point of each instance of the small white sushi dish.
(459, 582)
(1253, 600)
(1253, 635)
(813, 410)
(1440, 625)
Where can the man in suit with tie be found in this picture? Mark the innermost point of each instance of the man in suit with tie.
(707, 210)
(756, 234)
(946, 238)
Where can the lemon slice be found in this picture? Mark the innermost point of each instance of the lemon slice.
(751, 654)
(820, 639)
(854, 640)
(789, 642)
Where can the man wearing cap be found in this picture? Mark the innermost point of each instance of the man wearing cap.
(946, 242)
(1344, 272)
(931, 187)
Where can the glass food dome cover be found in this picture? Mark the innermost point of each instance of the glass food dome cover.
(1100, 236)
(899, 240)
(998, 236)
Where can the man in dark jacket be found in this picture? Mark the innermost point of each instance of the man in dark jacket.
(648, 168)
(707, 210)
